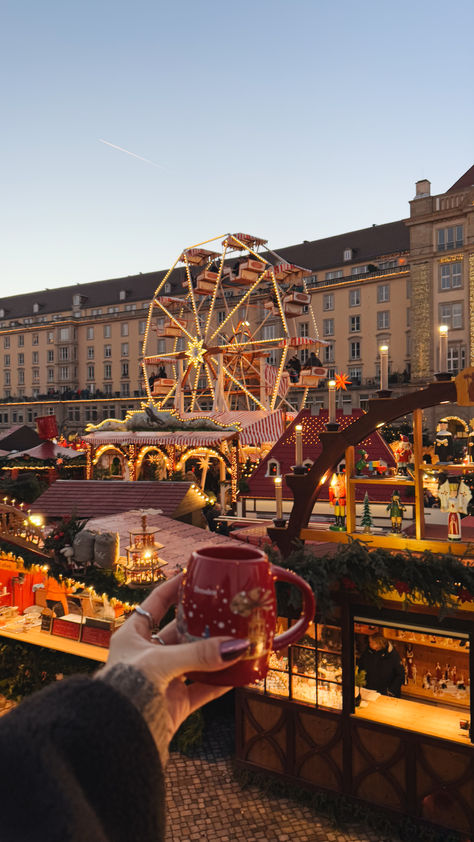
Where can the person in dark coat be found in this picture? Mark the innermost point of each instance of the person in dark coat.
(84, 759)
(383, 666)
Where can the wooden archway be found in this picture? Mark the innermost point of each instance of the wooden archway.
(306, 487)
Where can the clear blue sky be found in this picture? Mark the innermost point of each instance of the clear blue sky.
(290, 120)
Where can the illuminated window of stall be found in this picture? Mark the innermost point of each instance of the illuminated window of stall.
(415, 677)
(310, 671)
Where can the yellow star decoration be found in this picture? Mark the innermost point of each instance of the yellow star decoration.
(341, 381)
(194, 352)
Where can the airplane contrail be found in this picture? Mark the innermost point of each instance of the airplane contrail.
(133, 154)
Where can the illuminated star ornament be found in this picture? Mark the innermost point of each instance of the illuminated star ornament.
(194, 352)
(342, 381)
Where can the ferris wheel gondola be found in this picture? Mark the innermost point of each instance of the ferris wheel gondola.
(228, 332)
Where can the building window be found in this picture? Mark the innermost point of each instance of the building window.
(50, 356)
(220, 316)
(161, 346)
(21, 340)
(328, 353)
(64, 372)
(355, 375)
(354, 297)
(450, 238)
(354, 324)
(107, 371)
(383, 320)
(97, 312)
(328, 327)
(107, 332)
(354, 350)
(408, 316)
(359, 270)
(451, 275)
(50, 337)
(125, 390)
(142, 327)
(328, 301)
(347, 254)
(408, 288)
(303, 329)
(332, 276)
(451, 314)
(130, 307)
(113, 309)
(50, 375)
(383, 293)
(456, 358)
(36, 375)
(124, 349)
(7, 378)
(21, 376)
(35, 339)
(63, 334)
(124, 329)
(6, 360)
(90, 372)
(408, 344)
(21, 359)
(6, 341)
(268, 331)
(108, 389)
(90, 352)
(35, 358)
(273, 468)
(107, 351)
(90, 333)
(124, 370)
(64, 352)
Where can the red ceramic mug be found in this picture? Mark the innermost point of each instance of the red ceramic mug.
(229, 590)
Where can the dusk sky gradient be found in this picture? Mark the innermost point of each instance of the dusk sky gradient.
(289, 120)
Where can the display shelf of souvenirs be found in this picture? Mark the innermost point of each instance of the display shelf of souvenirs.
(307, 673)
(431, 640)
(429, 675)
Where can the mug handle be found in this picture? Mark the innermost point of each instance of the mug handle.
(297, 631)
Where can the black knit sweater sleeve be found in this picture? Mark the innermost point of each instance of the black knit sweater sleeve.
(78, 763)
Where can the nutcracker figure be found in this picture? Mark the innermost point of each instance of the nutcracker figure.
(396, 509)
(403, 455)
(337, 499)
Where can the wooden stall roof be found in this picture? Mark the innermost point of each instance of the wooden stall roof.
(96, 498)
(262, 486)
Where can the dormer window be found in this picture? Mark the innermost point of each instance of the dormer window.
(2, 313)
(273, 468)
(76, 300)
(347, 254)
(36, 307)
(122, 294)
(167, 287)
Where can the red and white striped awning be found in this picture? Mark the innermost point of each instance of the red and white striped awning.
(267, 429)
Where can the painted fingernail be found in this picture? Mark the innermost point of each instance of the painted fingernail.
(232, 649)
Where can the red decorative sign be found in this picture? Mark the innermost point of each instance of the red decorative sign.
(96, 637)
(63, 628)
(47, 427)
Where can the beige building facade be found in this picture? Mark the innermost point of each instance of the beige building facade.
(76, 351)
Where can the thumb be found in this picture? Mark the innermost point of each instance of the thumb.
(207, 655)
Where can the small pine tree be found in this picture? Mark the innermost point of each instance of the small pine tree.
(366, 521)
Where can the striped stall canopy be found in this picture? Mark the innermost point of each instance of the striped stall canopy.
(267, 429)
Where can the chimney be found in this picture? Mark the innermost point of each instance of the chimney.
(423, 188)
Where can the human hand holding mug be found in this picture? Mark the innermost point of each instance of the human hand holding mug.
(230, 590)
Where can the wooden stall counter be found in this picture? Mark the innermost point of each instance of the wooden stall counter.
(434, 721)
(61, 644)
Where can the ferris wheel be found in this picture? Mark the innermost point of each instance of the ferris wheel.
(227, 331)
